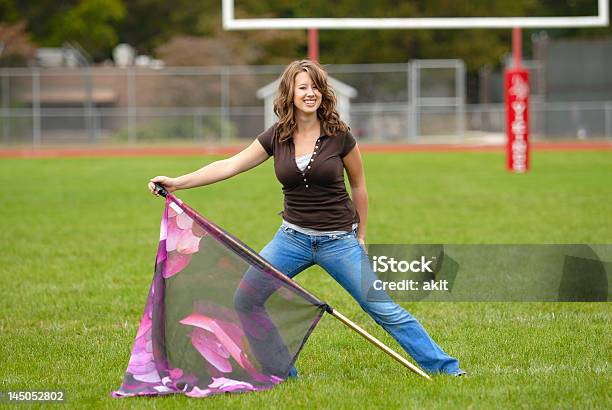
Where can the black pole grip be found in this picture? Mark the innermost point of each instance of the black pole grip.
(160, 190)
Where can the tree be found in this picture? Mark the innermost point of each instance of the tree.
(16, 49)
(151, 23)
(91, 24)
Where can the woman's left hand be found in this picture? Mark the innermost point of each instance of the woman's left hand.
(363, 245)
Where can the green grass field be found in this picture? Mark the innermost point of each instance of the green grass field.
(79, 236)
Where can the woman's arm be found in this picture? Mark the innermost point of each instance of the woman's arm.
(359, 191)
(246, 159)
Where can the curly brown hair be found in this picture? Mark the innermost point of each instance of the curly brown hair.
(283, 103)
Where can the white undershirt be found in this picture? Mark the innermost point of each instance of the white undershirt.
(302, 161)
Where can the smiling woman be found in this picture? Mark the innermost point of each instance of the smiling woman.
(321, 224)
(304, 89)
(307, 97)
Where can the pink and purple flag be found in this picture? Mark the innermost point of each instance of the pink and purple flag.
(218, 317)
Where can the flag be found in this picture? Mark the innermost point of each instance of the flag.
(218, 317)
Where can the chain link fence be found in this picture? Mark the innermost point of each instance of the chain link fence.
(418, 102)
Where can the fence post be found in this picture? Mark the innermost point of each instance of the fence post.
(533, 115)
(197, 124)
(131, 89)
(36, 132)
(6, 114)
(89, 104)
(608, 119)
(413, 101)
(408, 109)
(225, 103)
(460, 95)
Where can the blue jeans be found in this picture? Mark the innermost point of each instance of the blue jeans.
(343, 257)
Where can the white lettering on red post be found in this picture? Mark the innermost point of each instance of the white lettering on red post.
(517, 108)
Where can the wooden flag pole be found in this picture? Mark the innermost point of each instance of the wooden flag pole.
(377, 343)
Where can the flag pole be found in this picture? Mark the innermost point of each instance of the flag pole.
(161, 191)
(351, 325)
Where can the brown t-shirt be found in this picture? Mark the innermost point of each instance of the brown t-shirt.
(315, 198)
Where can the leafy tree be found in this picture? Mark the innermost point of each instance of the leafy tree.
(8, 11)
(151, 23)
(15, 45)
(91, 24)
(39, 15)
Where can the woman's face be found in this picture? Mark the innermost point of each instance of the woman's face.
(306, 95)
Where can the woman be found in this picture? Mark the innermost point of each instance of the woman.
(312, 147)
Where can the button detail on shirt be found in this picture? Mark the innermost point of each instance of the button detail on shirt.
(303, 205)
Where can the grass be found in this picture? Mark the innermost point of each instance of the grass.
(78, 238)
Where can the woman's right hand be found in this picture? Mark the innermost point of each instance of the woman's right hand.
(168, 183)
